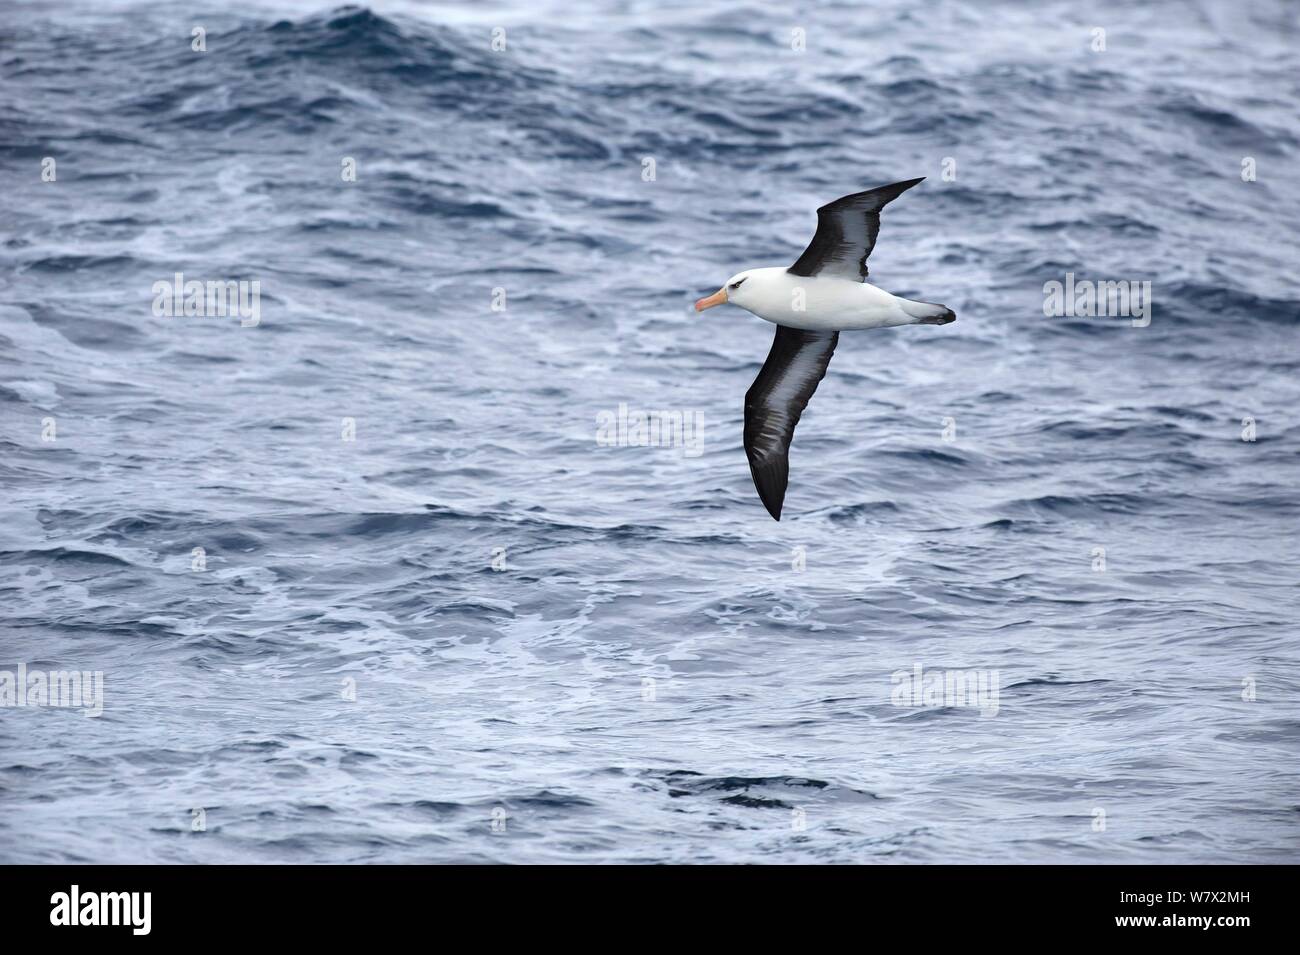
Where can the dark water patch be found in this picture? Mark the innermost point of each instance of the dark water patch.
(62, 555)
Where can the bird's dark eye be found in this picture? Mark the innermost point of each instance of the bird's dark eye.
(736, 285)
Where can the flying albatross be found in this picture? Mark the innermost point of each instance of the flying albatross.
(824, 293)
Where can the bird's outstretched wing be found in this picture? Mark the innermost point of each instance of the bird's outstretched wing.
(774, 402)
(846, 233)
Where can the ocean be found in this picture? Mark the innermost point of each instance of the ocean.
(437, 542)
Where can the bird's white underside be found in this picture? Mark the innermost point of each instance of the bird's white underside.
(820, 304)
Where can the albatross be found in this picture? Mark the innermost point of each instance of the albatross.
(824, 293)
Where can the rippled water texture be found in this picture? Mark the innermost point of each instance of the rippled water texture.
(565, 651)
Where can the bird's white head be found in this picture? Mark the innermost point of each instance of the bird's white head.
(734, 292)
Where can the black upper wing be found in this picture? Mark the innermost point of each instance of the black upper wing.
(846, 233)
(774, 402)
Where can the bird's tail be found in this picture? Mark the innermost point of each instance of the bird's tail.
(923, 313)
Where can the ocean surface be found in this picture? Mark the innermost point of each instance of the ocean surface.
(368, 577)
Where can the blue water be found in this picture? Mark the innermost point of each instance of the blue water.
(646, 674)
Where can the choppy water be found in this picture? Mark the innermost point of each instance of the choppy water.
(650, 677)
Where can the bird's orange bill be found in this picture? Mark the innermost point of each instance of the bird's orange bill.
(717, 298)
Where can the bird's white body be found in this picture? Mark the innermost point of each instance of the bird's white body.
(821, 303)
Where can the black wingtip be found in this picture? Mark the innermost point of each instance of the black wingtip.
(771, 488)
(873, 200)
(770, 480)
